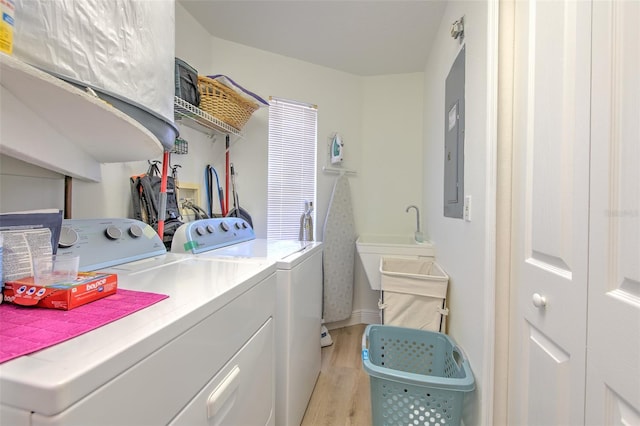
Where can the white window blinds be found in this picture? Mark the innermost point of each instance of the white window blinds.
(292, 166)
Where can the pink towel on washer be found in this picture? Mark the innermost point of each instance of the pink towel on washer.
(24, 330)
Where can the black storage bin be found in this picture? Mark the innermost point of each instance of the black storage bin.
(187, 83)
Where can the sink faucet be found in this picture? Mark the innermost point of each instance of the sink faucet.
(417, 235)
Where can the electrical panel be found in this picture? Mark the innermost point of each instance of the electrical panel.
(454, 139)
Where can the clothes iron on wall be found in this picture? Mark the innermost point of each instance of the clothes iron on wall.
(336, 149)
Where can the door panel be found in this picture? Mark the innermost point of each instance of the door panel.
(549, 369)
(613, 355)
(550, 212)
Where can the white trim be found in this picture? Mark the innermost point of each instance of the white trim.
(360, 316)
(502, 291)
(488, 369)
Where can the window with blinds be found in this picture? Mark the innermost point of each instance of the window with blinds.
(292, 166)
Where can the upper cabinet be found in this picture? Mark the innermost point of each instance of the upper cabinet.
(50, 123)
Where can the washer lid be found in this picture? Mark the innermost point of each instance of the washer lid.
(286, 253)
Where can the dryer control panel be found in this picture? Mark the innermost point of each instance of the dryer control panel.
(102, 243)
(209, 234)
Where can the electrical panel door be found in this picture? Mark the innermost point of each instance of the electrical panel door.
(454, 139)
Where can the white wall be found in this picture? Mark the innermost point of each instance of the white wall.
(391, 153)
(389, 177)
(27, 187)
(462, 246)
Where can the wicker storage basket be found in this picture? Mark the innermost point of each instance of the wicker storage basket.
(224, 103)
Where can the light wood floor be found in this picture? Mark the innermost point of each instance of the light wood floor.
(342, 394)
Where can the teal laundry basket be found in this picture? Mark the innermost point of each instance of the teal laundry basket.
(418, 377)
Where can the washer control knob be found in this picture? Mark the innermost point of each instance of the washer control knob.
(224, 226)
(135, 231)
(113, 232)
(237, 225)
(210, 229)
(68, 237)
(200, 230)
(244, 225)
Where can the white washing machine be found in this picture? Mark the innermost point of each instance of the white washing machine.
(299, 300)
(203, 356)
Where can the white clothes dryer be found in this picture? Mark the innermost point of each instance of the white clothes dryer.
(298, 302)
(204, 355)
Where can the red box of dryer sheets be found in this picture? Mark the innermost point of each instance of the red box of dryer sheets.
(89, 286)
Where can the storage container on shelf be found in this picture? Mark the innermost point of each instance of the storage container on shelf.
(227, 101)
(124, 49)
(186, 82)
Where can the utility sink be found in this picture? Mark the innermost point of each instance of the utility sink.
(371, 248)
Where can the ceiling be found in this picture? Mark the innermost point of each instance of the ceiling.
(365, 38)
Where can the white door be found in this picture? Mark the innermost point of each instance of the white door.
(613, 339)
(550, 213)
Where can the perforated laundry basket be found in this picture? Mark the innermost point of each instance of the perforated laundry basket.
(418, 377)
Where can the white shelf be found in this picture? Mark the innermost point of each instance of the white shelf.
(194, 117)
(48, 122)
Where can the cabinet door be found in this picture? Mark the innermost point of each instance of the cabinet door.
(550, 212)
(242, 392)
(613, 354)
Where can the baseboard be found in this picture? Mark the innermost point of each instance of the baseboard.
(362, 316)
